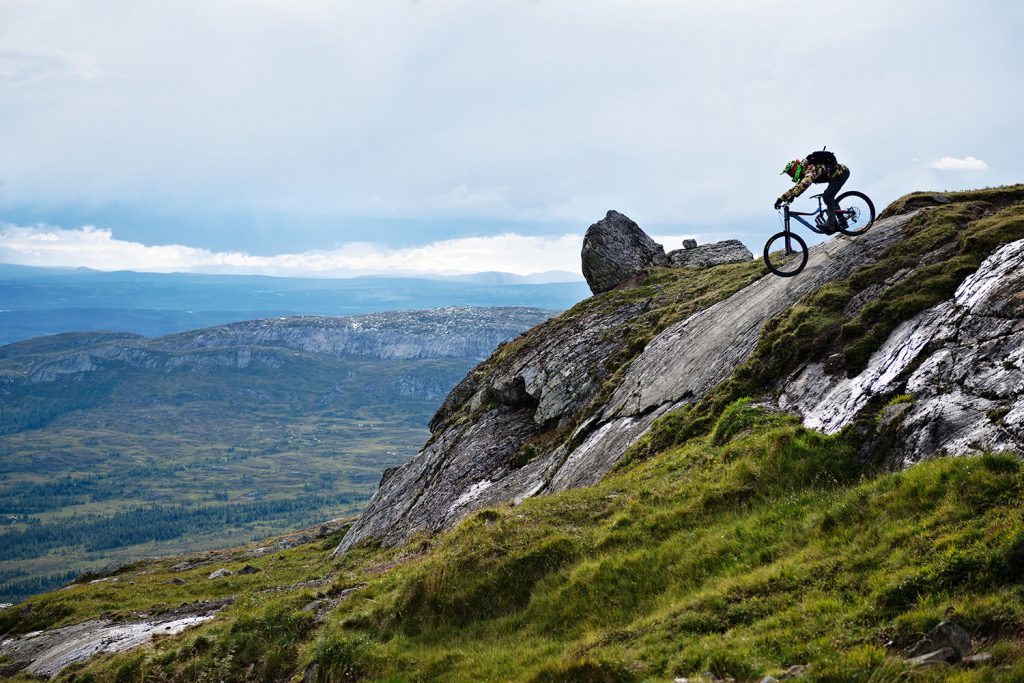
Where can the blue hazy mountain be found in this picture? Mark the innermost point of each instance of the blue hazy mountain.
(41, 301)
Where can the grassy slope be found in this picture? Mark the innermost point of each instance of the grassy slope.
(757, 547)
(741, 544)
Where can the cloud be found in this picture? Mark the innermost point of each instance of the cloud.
(97, 248)
(953, 164)
(21, 67)
(311, 113)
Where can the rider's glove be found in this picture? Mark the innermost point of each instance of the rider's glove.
(779, 203)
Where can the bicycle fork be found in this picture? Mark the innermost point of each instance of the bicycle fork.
(787, 249)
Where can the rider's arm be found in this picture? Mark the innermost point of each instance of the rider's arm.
(798, 189)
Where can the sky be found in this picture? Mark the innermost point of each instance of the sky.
(316, 137)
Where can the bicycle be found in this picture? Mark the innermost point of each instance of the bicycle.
(855, 215)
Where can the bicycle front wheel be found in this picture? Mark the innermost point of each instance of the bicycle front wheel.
(856, 213)
(785, 253)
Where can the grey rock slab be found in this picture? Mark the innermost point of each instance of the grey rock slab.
(940, 657)
(560, 370)
(616, 249)
(446, 480)
(837, 402)
(707, 255)
(980, 659)
(688, 359)
(45, 653)
(592, 459)
(467, 464)
(220, 573)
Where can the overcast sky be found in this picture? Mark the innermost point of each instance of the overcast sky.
(302, 136)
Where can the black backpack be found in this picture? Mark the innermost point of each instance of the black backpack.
(822, 158)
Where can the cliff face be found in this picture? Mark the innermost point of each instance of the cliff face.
(560, 407)
(467, 333)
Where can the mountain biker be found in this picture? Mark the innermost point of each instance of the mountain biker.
(818, 167)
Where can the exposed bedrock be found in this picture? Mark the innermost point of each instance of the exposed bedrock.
(45, 653)
(960, 364)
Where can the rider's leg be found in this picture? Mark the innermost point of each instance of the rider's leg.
(829, 195)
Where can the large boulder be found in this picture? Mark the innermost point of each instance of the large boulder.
(616, 249)
(705, 255)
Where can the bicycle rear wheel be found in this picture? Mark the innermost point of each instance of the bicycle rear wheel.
(856, 213)
(785, 254)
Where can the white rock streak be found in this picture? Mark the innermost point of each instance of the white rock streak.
(51, 651)
(972, 343)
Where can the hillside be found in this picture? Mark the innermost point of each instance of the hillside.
(712, 470)
(115, 446)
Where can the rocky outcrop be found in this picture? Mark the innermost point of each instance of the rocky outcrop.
(616, 249)
(961, 363)
(707, 255)
(481, 452)
(688, 359)
(486, 420)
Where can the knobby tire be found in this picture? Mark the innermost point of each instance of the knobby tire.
(867, 217)
(777, 267)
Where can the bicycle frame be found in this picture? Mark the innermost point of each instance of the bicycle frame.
(846, 220)
(798, 215)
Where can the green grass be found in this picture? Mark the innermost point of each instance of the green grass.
(762, 546)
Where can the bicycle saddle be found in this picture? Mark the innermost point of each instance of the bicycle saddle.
(815, 196)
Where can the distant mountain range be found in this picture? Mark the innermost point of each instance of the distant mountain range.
(115, 445)
(43, 301)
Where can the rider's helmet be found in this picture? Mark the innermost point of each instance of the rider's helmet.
(794, 169)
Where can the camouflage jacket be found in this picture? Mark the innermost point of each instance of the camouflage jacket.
(812, 174)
